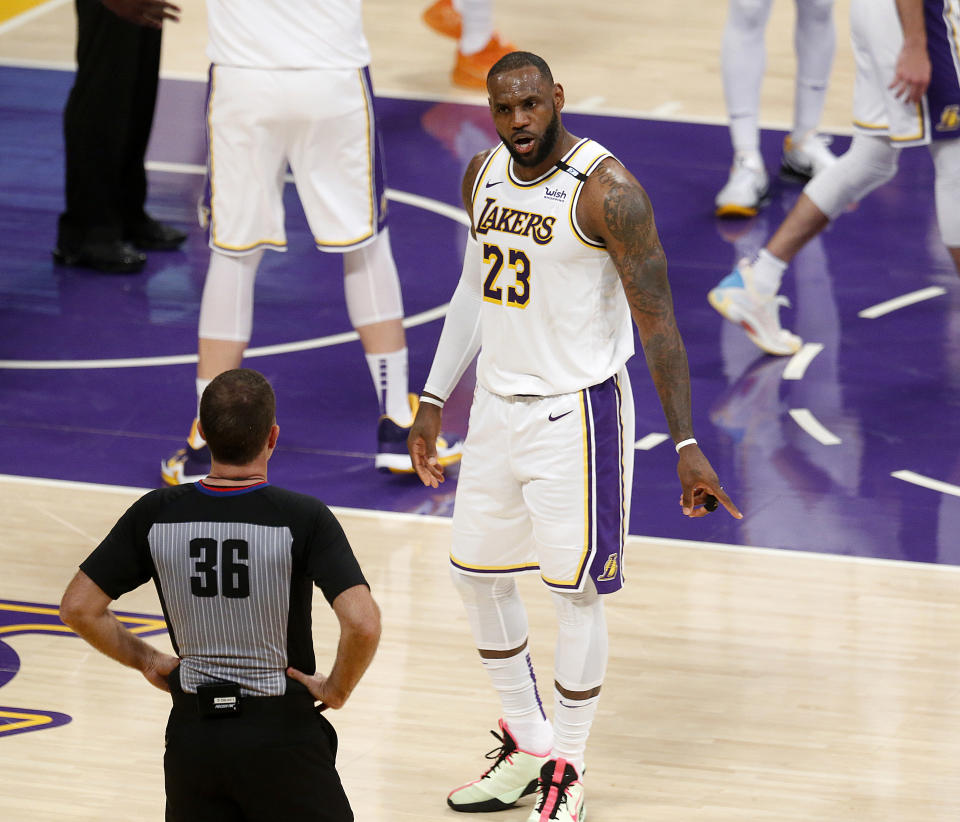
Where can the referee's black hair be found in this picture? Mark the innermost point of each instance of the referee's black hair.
(237, 411)
(520, 59)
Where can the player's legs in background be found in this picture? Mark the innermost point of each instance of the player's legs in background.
(743, 58)
(946, 161)
(478, 46)
(748, 295)
(498, 621)
(226, 322)
(805, 153)
(375, 306)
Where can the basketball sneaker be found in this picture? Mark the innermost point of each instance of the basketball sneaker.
(470, 70)
(561, 794)
(514, 774)
(806, 157)
(737, 299)
(392, 453)
(747, 189)
(443, 18)
(188, 464)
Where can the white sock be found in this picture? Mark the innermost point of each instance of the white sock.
(477, 25)
(572, 720)
(201, 387)
(515, 683)
(750, 158)
(768, 272)
(389, 373)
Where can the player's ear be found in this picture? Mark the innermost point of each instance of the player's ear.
(558, 96)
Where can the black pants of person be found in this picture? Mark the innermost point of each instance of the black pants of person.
(106, 126)
(276, 760)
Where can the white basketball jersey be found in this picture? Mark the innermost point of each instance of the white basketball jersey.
(554, 317)
(287, 34)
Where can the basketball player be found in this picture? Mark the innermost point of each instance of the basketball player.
(470, 23)
(906, 93)
(289, 84)
(743, 55)
(234, 561)
(563, 251)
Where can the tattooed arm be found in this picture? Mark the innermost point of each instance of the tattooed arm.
(615, 209)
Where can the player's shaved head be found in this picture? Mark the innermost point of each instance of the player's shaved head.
(518, 60)
(237, 411)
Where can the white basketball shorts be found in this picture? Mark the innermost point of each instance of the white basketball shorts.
(545, 485)
(877, 39)
(319, 121)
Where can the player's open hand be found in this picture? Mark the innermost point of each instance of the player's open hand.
(149, 13)
(912, 75)
(422, 445)
(702, 491)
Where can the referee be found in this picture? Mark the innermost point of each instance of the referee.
(234, 561)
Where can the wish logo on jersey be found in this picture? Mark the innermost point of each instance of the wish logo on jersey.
(34, 618)
(515, 221)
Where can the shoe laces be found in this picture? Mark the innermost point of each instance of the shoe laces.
(504, 751)
(563, 790)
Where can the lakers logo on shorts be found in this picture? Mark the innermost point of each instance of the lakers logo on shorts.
(949, 118)
(609, 568)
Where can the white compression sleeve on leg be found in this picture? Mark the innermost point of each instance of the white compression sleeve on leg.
(743, 59)
(814, 40)
(370, 283)
(226, 309)
(495, 610)
(460, 338)
(946, 161)
(866, 165)
(581, 654)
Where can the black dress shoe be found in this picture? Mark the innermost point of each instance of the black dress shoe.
(112, 256)
(152, 235)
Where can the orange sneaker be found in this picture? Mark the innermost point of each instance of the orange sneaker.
(471, 70)
(444, 19)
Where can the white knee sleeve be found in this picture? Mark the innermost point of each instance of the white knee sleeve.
(867, 164)
(581, 655)
(495, 610)
(371, 284)
(946, 161)
(743, 60)
(815, 42)
(226, 310)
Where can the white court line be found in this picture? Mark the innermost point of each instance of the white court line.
(813, 426)
(799, 362)
(927, 482)
(650, 441)
(434, 519)
(31, 14)
(422, 318)
(427, 204)
(903, 301)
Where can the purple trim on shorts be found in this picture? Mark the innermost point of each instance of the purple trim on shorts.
(377, 164)
(536, 690)
(606, 565)
(522, 569)
(943, 93)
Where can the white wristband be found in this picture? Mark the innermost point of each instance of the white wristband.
(431, 400)
(682, 443)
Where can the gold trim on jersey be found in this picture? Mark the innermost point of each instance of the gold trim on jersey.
(481, 175)
(574, 225)
(547, 174)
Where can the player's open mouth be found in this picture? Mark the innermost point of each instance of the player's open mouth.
(523, 144)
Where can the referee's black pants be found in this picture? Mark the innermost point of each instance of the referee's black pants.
(106, 126)
(275, 761)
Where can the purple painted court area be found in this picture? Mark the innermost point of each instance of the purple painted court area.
(889, 388)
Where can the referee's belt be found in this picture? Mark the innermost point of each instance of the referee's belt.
(223, 699)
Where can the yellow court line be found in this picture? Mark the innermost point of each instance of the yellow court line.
(27, 721)
(11, 8)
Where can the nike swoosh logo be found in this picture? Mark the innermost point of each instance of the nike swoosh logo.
(491, 185)
(559, 416)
